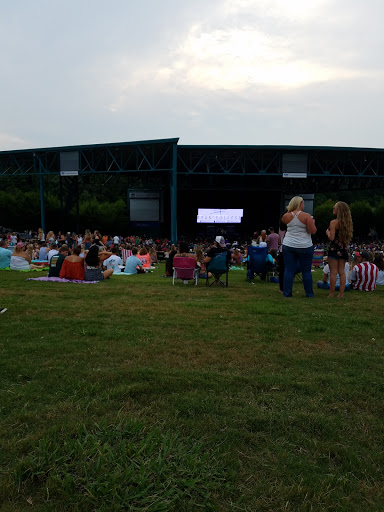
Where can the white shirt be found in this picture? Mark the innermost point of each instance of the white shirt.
(116, 240)
(51, 253)
(113, 262)
(346, 271)
(297, 234)
(380, 278)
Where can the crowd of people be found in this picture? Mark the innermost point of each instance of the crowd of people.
(95, 257)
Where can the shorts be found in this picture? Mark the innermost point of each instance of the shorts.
(93, 274)
(340, 254)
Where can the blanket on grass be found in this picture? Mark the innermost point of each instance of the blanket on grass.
(60, 280)
(27, 270)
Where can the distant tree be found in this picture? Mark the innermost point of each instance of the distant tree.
(379, 219)
(363, 218)
(323, 215)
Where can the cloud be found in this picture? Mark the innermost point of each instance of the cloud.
(244, 71)
(244, 46)
(8, 141)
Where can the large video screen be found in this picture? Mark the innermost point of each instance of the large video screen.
(216, 216)
(144, 210)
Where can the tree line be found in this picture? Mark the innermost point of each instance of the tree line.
(367, 214)
(106, 208)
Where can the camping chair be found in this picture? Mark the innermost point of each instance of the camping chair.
(256, 264)
(218, 267)
(184, 269)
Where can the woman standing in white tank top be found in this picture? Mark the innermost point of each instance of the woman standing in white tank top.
(298, 246)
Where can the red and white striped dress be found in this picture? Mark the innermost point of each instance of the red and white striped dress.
(365, 276)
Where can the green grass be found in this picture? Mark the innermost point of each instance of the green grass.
(134, 394)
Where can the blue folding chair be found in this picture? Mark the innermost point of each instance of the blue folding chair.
(256, 262)
(218, 267)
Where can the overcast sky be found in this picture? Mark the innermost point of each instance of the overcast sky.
(298, 72)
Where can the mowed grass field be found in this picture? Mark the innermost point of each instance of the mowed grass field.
(133, 394)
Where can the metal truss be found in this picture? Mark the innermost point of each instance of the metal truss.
(143, 156)
(158, 155)
(268, 160)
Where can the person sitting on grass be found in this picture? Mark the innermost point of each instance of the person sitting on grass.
(21, 260)
(73, 266)
(324, 284)
(379, 262)
(43, 251)
(57, 260)
(5, 254)
(53, 250)
(236, 257)
(114, 261)
(364, 274)
(145, 258)
(94, 264)
(133, 265)
(153, 256)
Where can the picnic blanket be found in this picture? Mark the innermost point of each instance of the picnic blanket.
(61, 280)
(26, 270)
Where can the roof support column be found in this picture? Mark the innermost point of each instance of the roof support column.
(174, 195)
(42, 205)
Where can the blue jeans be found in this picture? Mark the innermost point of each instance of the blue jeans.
(297, 260)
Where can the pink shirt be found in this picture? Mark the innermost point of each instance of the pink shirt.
(273, 241)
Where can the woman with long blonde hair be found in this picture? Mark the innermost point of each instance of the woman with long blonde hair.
(339, 233)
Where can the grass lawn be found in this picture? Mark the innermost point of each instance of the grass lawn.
(134, 394)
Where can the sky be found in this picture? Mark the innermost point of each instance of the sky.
(248, 72)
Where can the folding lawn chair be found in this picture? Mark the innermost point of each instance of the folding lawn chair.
(218, 267)
(184, 269)
(257, 262)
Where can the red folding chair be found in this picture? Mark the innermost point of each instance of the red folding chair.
(184, 269)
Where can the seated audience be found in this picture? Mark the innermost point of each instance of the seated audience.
(169, 255)
(87, 240)
(184, 251)
(56, 261)
(364, 273)
(218, 247)
(263, 237)
(43, 252)
(134, 265)
(50, 237)
(153, 256)
(379, 262)
(21, 260)
(199, 258)
(144, 257)
(5, 254)
(114, 261)
(73, 266)
(94, 264)
(53, 250)
(236, 257)
(324, 284)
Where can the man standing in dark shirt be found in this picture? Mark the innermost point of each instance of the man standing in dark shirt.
(57, 261)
